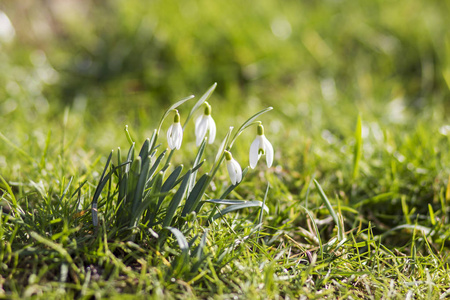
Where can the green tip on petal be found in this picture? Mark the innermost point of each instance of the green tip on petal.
(176, 118)
(207, 109)
(260, 129)
(228, 155)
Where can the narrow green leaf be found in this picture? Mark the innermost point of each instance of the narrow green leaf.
(130, 157)
(119, 161)
(148, 199)
(316, 229)
(10, 192)
(172, 108)
(170, 181)
(24, 154)
(432, 218)
(223, 145)
(145, 150)
(78, 189)
(132, 182)
(55, 246)
(198, 253)
(248, 123)
(197, 105)
(139, 192)
(226, 201)
(193, 170)
(166, 187)
(153, 140)
(66, 189)
(97, 193)
(357, 151)
(309, 190)
(44, 153)
(196, 195)
(232, 208)
(201, 246)
(264, 203)
(102, 182)
(376, 199)
(176, 200)
(197, 159)
(156, 164)
(331, 210)
(127, 133)
(423, 229)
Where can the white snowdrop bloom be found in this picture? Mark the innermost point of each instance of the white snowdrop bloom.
(261, 146)
(234, 169)
(175, 133)
(7, 31)
(204, 123)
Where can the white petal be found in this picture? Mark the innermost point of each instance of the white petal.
(253, 155)
(179, 141)
(238, 170)
(262, 144)
(212, 130)
(231, 171)
(201, 129)
(197, 122)
(170, 137)
(269, 152)
(178, 135)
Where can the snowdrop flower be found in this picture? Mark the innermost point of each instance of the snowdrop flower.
(261, 146)
(204, 123)
(175, 133)
(234, 169)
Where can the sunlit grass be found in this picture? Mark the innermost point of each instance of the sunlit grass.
(359, 189)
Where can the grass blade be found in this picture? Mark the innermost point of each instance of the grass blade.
(6, 140)
(10, 192)
(331, 210)
(45, 152)
(357, 151)
(102, 182)
(264, 203)
(316, 229)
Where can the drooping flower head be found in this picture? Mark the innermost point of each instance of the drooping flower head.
(260, 146)
(233, 167)
(175, 133)
(203, 124)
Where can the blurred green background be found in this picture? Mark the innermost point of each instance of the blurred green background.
(83, 69)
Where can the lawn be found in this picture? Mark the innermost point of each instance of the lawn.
(353, 96)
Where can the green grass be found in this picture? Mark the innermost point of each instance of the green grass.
(358, 194)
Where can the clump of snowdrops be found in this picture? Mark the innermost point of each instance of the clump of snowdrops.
(141, 194)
